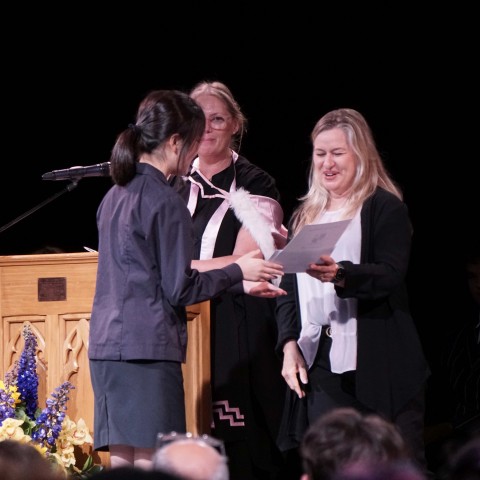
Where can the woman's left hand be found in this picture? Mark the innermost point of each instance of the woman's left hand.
(324, 270)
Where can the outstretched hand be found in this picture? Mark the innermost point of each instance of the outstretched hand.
(257, 269)
(262, 289)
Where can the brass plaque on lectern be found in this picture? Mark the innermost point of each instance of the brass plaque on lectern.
(52, 289)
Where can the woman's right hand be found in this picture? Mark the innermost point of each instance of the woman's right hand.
(256, 269)
(294, 368)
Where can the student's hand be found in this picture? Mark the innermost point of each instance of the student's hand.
(294, 370)
(256, 269)
(262, 289)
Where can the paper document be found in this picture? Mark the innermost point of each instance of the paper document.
(308, 245)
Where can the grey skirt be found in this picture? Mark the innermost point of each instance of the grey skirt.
(136, 400)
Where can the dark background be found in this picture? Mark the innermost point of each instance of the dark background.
(72, 80)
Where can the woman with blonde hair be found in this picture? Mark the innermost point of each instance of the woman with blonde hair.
(345, 330)
(235, 209)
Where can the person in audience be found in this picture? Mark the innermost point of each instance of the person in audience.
(344, 436)
(192, 458)
(457, 380)
(133, 473)
(235, 209)
(462, 352)
(138, 325)
(391, 470)
(463, 463)
(22, 461)
(346, 333)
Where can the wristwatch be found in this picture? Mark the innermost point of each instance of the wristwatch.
(339, 274)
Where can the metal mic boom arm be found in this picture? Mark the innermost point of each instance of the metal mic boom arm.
(68, 188)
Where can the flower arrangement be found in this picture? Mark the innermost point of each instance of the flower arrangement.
(50, 430)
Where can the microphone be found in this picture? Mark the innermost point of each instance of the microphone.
(76, 173)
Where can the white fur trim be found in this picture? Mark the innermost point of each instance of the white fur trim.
(252, 220)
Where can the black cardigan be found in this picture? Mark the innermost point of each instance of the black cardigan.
(391, 366)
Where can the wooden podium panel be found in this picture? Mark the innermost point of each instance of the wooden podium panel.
(54, 294)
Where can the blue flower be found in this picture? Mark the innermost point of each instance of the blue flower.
(49, 430)
(48, 424)
(27, 378)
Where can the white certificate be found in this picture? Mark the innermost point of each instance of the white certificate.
(311, 242)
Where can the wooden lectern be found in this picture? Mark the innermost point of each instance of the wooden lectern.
(54, 294)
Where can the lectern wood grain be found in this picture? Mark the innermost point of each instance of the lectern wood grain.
(54, 294)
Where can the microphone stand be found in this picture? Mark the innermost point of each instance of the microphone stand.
(68, 188)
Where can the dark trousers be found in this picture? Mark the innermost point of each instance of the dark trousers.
(328, 390)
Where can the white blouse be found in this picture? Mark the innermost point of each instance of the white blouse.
(320, 305)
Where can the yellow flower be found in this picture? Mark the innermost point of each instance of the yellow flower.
(64, 445)
(81, 433)
(71, 434)
(11, 429)
(40, 448)
(65, 457)
(13, 392)
(76, 433)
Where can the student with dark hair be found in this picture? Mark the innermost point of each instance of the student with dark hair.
(138, 326)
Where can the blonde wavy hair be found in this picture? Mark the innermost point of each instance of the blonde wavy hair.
(370, 170)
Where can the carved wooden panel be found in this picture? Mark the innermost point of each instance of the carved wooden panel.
(30, 293)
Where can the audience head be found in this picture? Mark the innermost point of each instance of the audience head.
(48, 249)
(191, 458)
(345, 436)
(22, 461)
(132, 473)
(464, 462)
(390, 470)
